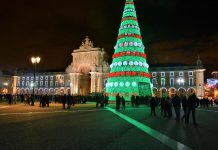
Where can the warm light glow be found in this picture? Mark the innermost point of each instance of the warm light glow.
(38, 59)
(35, 60)
(6, 83)
(32, 84)
(180, 80)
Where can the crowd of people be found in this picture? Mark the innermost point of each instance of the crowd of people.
(166, 104)
(188, 105)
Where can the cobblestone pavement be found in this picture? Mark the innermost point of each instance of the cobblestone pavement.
(86, 127)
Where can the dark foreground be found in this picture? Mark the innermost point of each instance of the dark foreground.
(86, 128)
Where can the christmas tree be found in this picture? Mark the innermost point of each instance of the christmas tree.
(129, 69)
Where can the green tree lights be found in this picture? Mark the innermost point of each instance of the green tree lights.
(129, 69)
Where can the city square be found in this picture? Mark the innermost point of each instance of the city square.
(79, 75)
(88, 127)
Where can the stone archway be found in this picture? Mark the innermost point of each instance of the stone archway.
(172, 91)
(181, 92)
(85, 79)
(190, 91)
(163, 92)
(155, 92)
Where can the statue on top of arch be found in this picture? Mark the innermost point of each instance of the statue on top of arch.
(87, 44)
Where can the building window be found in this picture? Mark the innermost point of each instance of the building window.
(46, 83)
(181, 74)
(41, 77)
(162, 82)
(154, 81)
(27, 83)
(18, 83)
(23, 78)
(154, 74)
(68, 82)
(37, 78)
(190, 73)
(46, 77)
(162, 74)
(56, 78)
(51, 83)
(172, 74)
(56, 83)
(36, 83)
(41, 83)
(191, 83)
(32, 78)
(27, 78)
(62, 84)
(171, 81)
(23, 83)
(18, 78)
(51, 78)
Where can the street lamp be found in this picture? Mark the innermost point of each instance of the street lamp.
(34, 60)
(180, 81)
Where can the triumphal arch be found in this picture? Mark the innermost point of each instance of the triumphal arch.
(89, 70)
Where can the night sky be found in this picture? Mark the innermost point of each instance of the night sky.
(174, 31)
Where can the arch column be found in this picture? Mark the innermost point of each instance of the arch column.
(74, 87)
(93, 82)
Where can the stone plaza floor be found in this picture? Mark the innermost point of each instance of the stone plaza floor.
(86, 127)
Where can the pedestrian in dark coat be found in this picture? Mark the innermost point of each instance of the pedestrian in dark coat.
(169, 107)
(40, 100)
(123, 103)
(47, 100)
(176, 101)
(118, 100)
(64, 100)
(69, 101)
(153, 104)
(133, 100)
(184, 107)
(192, 103)
(163, 106)
(97, 99)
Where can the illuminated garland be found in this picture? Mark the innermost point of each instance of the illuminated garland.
(129, 26)
(129, 35)
(127, 44)
(129, 18)
(127, 3)
(129, 53)
(130, 63)
(129, 74)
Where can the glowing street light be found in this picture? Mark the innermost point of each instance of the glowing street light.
(6, 84)
(180, 81)
(34, 60)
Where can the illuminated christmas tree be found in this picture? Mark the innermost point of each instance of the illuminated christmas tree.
(129, 69)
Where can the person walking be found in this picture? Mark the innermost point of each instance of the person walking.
(176, 101)
(118, 99)
(64, 99)
(163, 106)
(153, 104)
(97, 99)
(123, 103)
(133, 100)
(69, 100)
(169, 107)
(184, 107)
(192, 103)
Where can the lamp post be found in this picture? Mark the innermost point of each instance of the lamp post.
(34, 60)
